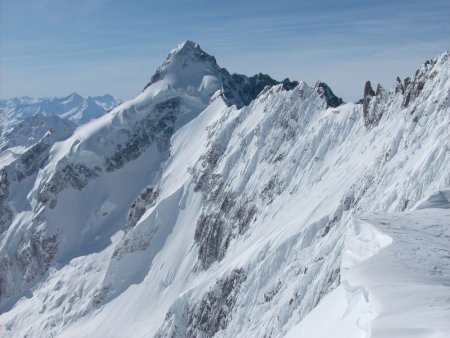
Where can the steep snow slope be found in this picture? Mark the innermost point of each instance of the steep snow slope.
(73, 107)
(85, 180)
(178, 214)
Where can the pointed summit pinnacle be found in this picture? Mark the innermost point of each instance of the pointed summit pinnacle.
(188, 54)
(188, 45)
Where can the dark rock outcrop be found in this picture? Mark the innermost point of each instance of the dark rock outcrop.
(5, 212)
(208, 315)
(372, 107)
(34, 254)
(144, 201)
(399, 86)
(33, 159)
(214, 311)
(75, 176)
(413, 87)
(224, 213)
(158, 126)
(325, 92)
(241, 90)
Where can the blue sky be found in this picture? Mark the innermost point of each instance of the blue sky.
(55, 47)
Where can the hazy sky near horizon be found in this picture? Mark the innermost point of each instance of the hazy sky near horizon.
(56, 47)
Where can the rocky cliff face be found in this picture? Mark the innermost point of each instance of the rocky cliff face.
(373, 104)
(211, 204)
(325, 92)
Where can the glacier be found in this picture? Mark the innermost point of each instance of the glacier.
(217, 205)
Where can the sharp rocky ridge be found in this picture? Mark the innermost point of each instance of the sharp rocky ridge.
(217, 204)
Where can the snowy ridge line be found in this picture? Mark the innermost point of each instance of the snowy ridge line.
(363, 241)
(348, 309)
(395, 274)
(411, 248)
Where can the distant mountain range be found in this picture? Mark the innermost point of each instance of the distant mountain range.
(74, 107)
(24, 120)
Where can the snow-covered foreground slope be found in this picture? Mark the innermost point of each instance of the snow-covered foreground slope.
(211, 205)
(395, 278)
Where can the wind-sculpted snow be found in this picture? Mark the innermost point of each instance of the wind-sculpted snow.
(311, 151)
(395, 269)
(189, 215)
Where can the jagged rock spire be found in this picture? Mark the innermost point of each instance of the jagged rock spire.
(325, 92)
(399, 86)
(372, 110)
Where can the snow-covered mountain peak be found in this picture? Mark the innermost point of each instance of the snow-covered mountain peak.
(107, 101)
(188, 47)
(72, 100)
(73, 96)
(191, 69)
(188, 67)
(188, 52)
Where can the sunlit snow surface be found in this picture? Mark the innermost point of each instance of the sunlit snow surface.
(346, 234)
(396, 273)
